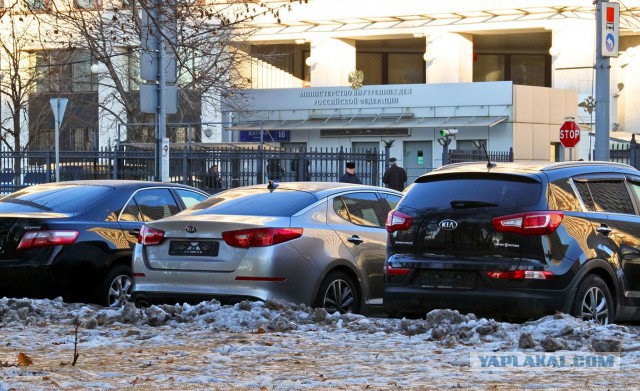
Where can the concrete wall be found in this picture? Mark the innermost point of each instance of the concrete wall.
(537, 116)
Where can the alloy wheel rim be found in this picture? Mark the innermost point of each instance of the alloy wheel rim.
(120, 291)
(594, 306)
(339, 297)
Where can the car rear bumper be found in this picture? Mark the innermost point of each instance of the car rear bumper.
(529, 303)
(148, 298)
(25, 278)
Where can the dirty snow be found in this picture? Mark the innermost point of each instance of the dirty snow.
(282, 346)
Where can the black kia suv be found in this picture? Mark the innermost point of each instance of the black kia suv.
(518, 240)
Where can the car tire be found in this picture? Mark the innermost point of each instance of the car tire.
(338, 293)
(593, 301)
(116, 287)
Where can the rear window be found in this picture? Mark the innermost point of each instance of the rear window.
(48, 198)
(473, 192)
(254, 202)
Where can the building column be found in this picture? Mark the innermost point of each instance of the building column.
(572, 52)
(449, 58)
(624, 88)
(331, 61)
(107, 126)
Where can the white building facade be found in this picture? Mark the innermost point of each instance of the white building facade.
(362, 73)
(529, 65)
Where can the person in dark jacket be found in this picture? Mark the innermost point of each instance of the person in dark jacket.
(213, 180)
(350, 176)
(274, 169)
(395, 177)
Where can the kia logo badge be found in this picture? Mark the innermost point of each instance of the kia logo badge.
(191, 229)
(448, 225)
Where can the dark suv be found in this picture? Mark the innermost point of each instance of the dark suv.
(518, 240)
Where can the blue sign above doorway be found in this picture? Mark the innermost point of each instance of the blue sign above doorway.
(269, 135)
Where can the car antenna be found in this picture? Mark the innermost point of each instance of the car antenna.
(478, 144)
(272, 185)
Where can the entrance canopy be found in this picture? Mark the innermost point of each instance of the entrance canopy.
(373, 123)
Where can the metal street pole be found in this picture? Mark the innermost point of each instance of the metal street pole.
(161, 116)
(602, 92)
(58, 106)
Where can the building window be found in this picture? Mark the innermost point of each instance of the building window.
(371, 66)
(53, 71)
(43, 140)
(86, 4)
(37, 5)
(528, 69)
(523, 69)
(64, 71)
(133, 66)
(184, 134)
(488, 67)
(83, 79)
(80, 139)
(406, 68)
(381, 68)
(188, 68)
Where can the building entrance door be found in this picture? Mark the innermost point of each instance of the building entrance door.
(364, 170)
(418, 159)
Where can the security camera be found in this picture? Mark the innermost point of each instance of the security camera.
(448, 132)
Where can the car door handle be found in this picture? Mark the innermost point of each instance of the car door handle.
(604, 229)
(355, 239)
(135, 232)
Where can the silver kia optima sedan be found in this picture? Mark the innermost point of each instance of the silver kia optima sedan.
(317, 243)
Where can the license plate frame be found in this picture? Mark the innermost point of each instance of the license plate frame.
(446, 279)
(194, 248)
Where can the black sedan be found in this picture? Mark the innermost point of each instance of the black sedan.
(75, 238)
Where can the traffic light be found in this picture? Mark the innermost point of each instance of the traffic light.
(448, 132)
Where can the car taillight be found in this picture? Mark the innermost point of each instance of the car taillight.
(395, 271)
(397, 221)
(150, 236)
(47, 238)
(529, 223)
(260, 237)
(522, 275)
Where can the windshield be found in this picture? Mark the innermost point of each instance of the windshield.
(53, 198)
(254, 202)
(466, 193)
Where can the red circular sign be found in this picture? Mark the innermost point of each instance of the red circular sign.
(569, 134)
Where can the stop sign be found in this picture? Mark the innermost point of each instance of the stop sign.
(569, 134)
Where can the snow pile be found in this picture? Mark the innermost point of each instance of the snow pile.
(446, 327)
(275, 345)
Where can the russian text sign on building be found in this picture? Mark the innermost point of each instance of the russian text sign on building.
(267, 136)
(610, 29)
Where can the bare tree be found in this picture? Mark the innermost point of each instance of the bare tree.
(208, 47)
(20, 36)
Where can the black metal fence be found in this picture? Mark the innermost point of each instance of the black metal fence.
(626, 153)
(461, 155)
(191, 164)
(237, 165)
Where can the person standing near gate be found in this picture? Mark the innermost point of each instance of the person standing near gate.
(212, 179)
(395, 177)
(350, 176)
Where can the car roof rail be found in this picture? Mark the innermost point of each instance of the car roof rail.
(582, 163)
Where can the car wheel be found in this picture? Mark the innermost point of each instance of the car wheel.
(116, 287)
(593, 301)
(338, 293)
